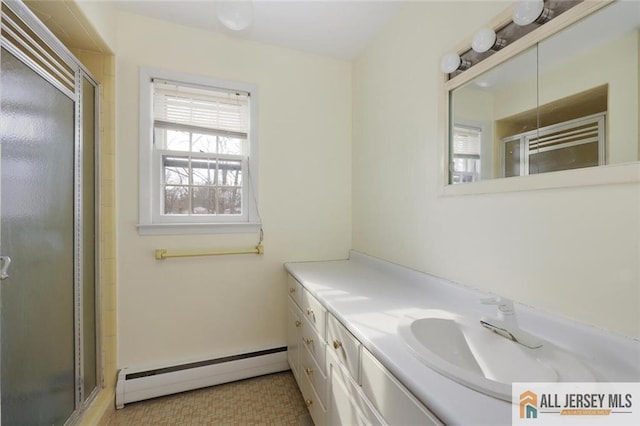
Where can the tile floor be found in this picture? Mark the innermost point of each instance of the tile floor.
(267, 400)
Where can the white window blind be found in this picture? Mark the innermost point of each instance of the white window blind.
(467, 141)
(210, 111)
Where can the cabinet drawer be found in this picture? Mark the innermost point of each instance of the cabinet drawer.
(295, 289)
(312, 341)
(314, 312)
(314, 404)
(294, 334)
(396, 404)
(346, 347)
(315, 374)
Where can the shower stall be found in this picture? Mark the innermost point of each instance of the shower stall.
(49, 366)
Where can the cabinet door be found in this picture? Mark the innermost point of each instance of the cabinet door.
(294, 336)
(396, 404)
(347, 405)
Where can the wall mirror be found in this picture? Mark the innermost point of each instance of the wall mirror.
(568, 101)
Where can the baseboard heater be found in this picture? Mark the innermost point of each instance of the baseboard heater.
(137, 384)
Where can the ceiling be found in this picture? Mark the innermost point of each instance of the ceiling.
(335, 28)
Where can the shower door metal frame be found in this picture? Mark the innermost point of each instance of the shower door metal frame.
(81, 397)
(46, 38)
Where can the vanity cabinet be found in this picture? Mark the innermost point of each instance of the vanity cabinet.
(341, 382)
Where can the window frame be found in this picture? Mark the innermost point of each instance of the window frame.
(151, 219)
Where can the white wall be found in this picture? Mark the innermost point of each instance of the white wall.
(181, 309)
(571, 251)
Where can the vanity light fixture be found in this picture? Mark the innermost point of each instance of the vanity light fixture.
(529, 11)
(452, 62)
(236, 15)
(486, 39)
(526, 12)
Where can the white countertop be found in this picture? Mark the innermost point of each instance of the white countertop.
(371, 297)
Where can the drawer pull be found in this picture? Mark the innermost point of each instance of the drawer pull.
(307, 340)
(309, 311)
(309, 402)
(309, 371)
(298, 323)
(292, 290)
(337, 344)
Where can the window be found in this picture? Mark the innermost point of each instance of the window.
(197, 155)
(465, 161)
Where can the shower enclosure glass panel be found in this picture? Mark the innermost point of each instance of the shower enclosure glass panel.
(37, 232)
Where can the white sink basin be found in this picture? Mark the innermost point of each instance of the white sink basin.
(461, 349)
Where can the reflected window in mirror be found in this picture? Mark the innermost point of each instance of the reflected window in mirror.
(466, 153)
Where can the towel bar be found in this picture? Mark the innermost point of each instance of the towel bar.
(162, 254)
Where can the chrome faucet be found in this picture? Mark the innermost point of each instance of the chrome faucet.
(506, 324)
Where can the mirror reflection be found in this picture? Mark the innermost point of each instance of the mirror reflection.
(569, 102)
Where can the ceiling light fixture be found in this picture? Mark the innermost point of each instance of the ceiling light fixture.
(486, 39)
(452, 62)
(529, 11)
(236, 15)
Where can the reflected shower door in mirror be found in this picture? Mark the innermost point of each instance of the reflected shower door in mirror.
(571, 101)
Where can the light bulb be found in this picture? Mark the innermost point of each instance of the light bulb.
(452, 62)
(237, 15)
(529, 11)
(483, 40)
(486, 39)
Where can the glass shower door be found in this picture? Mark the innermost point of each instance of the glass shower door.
(37, 367)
